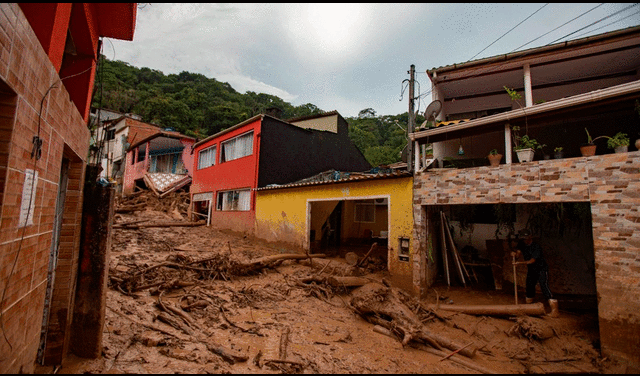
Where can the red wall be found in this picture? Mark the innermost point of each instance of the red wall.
(237, 174)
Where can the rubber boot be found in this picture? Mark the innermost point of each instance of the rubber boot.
(528, 300)
(553, 303)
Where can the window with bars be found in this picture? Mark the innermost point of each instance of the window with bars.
(238, 200)
(207, 157)
(237, 147)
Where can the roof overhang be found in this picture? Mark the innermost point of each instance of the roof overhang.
(352, 178)
(117, 20)
(606, 56)
(613, 92)
(162, 140)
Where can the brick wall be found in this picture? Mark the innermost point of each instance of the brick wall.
(610, 182)
(27, 76)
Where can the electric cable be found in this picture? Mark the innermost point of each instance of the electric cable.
(539, 9)
(610, 23)
(35, 155)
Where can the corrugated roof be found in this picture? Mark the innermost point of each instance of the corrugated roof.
(356, 176)
(534, 50)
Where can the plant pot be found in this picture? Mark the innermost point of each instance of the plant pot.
(558, 155)
(494, 160)
(621, 149)
(588, 150)
(525, 155)
(638, 144)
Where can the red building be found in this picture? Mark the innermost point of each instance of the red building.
(261, 151)
(48, 55)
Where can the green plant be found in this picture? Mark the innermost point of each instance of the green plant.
(514, 95)
(558, 149)
(619, 139)
(524, 142)
(493, 152)
(590, 141)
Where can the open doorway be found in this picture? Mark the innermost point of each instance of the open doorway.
(338, 227)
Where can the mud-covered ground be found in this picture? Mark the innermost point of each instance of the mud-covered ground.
(270, 322)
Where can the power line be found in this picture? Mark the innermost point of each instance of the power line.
(597, 6)
(479, 70)
(508, 31)
(593, 23)
(610, 23)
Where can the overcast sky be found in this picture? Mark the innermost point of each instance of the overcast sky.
(346, 57)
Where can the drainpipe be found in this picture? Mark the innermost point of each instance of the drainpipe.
(528, 94)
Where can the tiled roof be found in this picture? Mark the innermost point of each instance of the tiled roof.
(344, 178)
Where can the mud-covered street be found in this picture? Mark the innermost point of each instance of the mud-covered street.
(191, 299)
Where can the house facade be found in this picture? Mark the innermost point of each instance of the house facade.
(341, 212)
(113, 138)
(591, 83)
(260, 151)
(47, 68)
(162, 162)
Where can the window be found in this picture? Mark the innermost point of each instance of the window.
(365, 211)
(207, 157)
(239, 200)
(142, 153)
(237, 147)
(111, 134)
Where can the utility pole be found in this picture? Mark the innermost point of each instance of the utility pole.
(412, 118)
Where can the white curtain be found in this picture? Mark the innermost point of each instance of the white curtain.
(244, 200)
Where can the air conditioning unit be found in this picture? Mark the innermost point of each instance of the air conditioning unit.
(382, 201)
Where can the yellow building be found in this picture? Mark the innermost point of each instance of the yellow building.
(338, 213)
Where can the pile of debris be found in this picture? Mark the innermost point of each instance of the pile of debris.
(175, 203)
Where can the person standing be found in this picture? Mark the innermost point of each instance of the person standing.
(537, 269)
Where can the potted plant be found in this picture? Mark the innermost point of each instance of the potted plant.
(589, 149)
(524, 145)
(557, 152)
(494, 157)
(619, 142)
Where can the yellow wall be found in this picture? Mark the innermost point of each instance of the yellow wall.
(281, 214)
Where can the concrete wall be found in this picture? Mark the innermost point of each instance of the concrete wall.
(611, 183)
(26, 73)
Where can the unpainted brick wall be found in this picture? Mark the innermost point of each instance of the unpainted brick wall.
(27, 73)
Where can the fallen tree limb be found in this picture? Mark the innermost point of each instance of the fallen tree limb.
(162, 224)
(149, 326)
(465, 362)
(229, 355)
(535, 309)
(373, 246)
(374, 301)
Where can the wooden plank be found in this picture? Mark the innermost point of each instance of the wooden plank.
(456, 262)
(444, 249)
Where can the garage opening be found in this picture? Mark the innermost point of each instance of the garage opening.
(339, 227)
(481, 235)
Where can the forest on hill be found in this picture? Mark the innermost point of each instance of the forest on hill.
(198, 106)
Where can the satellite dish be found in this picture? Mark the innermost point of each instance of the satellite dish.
(433, 109)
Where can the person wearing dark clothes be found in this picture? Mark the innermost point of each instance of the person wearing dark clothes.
(537, 269)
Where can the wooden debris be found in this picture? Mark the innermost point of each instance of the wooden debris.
(161, 224)
(374, 301)
(228, 355)
(534, 309)
(366, 256)
(284, 340)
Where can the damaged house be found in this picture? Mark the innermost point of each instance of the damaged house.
(262, 151)
(161, 162)
(583, 209)
(112, 140)
(47, 69)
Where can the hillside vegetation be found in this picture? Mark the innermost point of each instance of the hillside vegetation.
(198, 106)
